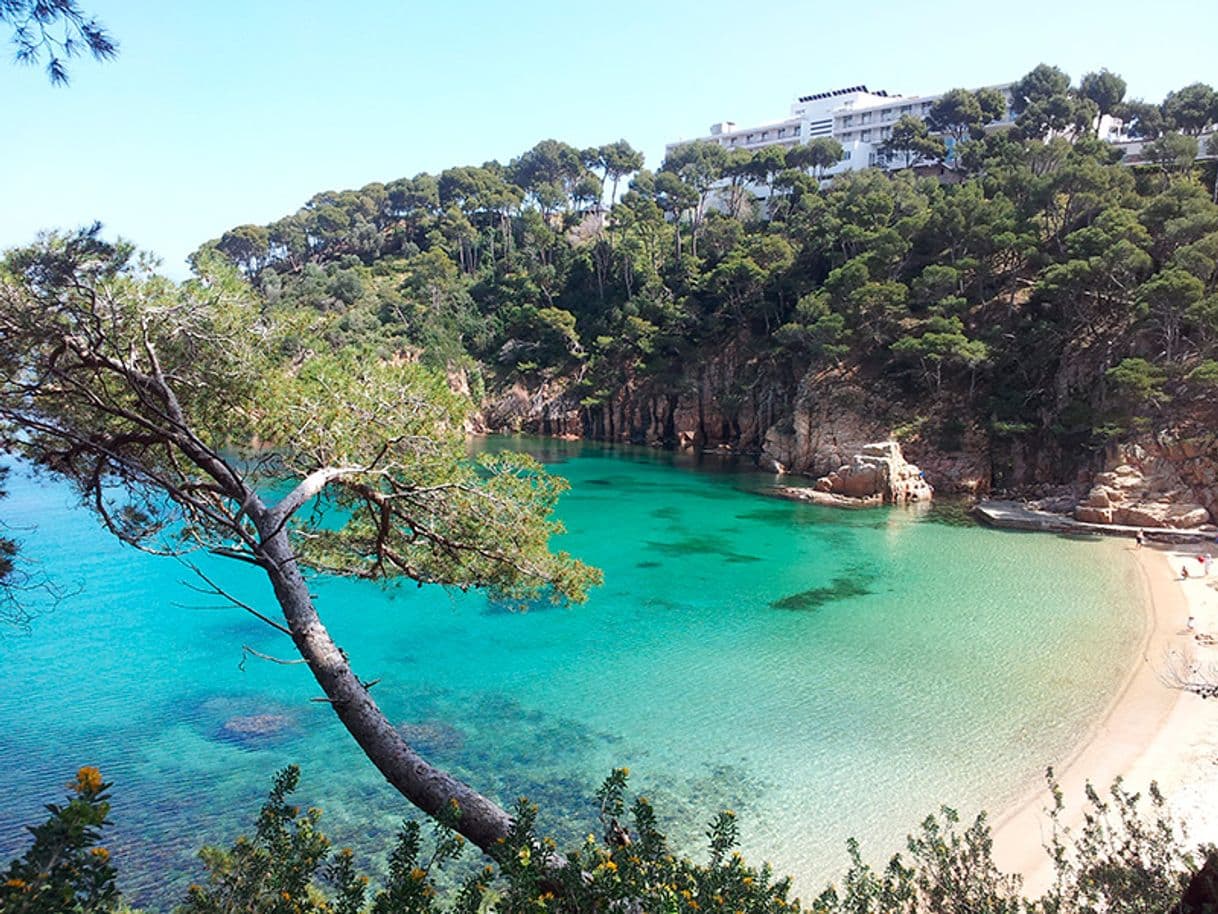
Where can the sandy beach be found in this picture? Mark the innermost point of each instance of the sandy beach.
(1150, 732)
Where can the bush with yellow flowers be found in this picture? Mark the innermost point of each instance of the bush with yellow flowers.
(1122, 859)
(66, 870)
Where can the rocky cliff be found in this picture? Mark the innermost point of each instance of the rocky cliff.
(1166, 481)
(817, 429)
(722, 401)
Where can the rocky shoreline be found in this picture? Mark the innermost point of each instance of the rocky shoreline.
(1165, 478)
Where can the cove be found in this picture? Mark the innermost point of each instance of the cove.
(825, 674)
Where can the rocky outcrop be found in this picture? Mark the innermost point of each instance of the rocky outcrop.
(880, 472)
(877, 475)
(1144, 490)
(734, 403)
(1194, 459)
(832, 419)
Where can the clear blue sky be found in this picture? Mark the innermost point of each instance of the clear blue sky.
(222, 112)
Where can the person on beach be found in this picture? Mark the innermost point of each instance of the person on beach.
(1192, 624)
(1184, 573)
(1139, 538)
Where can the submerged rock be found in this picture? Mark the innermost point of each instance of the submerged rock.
(432, 736)
(256, 729)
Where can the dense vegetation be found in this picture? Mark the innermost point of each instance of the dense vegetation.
(1125, 858)
(1029, 286)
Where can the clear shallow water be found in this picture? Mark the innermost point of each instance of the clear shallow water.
(823, 673)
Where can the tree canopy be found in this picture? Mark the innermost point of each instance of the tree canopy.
(175, 410)
(51, 32)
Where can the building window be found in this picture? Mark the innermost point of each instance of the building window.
(848, 120)
(866, 118)
(765, 134)
(905, 109)
(845, 155)
(866, 137)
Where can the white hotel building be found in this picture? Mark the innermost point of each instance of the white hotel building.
(856, 117)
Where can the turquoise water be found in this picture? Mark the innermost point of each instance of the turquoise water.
(823, 673)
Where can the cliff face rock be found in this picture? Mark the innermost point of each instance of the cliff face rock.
(832, 420)
(729, 402)
(547, 410)
(1168, 483)
(835, 417)
(709, 405)
(878, 471)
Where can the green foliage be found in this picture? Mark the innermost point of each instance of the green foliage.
(1205, 374)
(66, 870)
(54, 30)
(1137, 379)
(1124, 857)
(911, 141)
(1046, 249)
(1191, 109)
(288, 868)
(960, 113)
(273, 871)
(1105, 89)
(263, 386)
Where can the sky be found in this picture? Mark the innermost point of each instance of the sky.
(223, 112)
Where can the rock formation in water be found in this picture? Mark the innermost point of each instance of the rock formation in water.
(877, 475)
(879, 470)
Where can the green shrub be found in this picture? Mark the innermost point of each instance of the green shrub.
(1123, 859)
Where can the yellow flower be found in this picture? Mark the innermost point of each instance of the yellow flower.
(693, 904)
(285, 895)
(610, 866)
(88, 781)
(101, 854)
(15, 884)
(418, 875)
(747, 880)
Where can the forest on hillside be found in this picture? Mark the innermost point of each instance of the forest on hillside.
(1027, 286)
